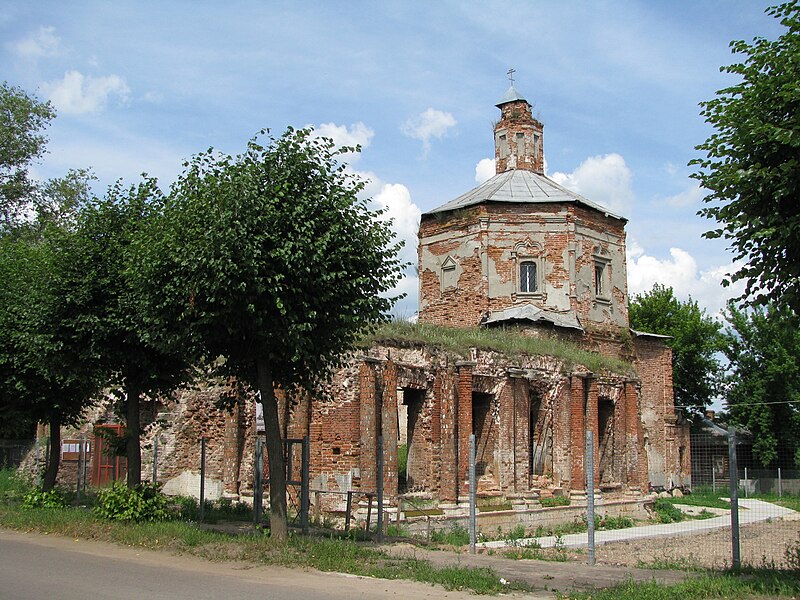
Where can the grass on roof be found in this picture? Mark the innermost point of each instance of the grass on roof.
(460, 340)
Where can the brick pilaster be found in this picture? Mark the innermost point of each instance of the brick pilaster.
(390, 429)
(231, 453)
(577, 428)
(449, 429)
(367, 395)
(464, 423)
(593, 425)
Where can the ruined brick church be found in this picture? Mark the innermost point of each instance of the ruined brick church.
(519, 252)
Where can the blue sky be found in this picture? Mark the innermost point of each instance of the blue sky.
(141, 86)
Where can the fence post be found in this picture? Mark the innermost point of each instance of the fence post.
(780, 483)
(155, 459)
(38, 468)
(347, 510)
(380, 488)
(202, 478)
(746, 484)
(733, 476)
(81, 460)
(305, 499)
(472, 494)
(258, 475)
(590, 494)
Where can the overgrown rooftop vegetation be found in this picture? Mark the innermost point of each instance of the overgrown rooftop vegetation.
(460, 341)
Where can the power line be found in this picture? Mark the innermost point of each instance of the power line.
(746, 404)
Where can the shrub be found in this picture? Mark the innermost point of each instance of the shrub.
(607, 522)
(143, 503)
(665, 512)
(36, 498)
(455, 536)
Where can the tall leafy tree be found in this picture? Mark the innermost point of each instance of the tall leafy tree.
(271, 260)
(695, 340)
(763, 393)
(751, 166)
(49, 370)
(99, 270)
(22, 121)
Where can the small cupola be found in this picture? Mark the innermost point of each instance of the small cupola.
(518, 140)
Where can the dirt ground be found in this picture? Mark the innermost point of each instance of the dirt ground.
(761, 544)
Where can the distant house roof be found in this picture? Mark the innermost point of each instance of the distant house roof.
(534, 314)
(520, 186)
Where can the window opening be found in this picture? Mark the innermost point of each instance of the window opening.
(527, 277)
(599, 279)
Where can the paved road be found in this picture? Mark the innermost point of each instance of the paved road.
(36, 567)
(751, 511)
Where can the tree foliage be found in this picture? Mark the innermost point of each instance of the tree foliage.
(49, 366)
(99, 272)
(763, 393)
(22, 119)
(752, 164)
(271, 260)
(696, 338)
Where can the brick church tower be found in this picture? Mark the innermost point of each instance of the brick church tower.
(520, 248)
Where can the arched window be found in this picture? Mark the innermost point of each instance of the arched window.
(527, 277)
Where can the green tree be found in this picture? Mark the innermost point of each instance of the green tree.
(99, 273)
(696, 339)
(22, 119)
(49, 370)
(752, 164)
(763, 392)
(270, 260)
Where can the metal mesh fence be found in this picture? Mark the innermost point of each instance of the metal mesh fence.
(709, 525)
(705, 533)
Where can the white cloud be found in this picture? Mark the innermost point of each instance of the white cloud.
(485, 169)
(42, 44)
(428, 125)
(691, 196)
(77, 93)
(605, 180)
(357, 134)
(404, 214)
(680, 272)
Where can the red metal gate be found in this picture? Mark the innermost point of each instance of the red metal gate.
(107, 467)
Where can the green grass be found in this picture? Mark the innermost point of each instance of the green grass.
(460, 340)
(705, 496)
(760, 583)
(554, 501)
(702, 497)
(187, 537)
(455, 536)
(787, 500)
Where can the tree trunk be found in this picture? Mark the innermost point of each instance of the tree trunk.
(133, 449)
(49, 481)
(277, 470)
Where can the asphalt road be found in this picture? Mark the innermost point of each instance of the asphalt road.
(38, 567)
